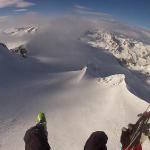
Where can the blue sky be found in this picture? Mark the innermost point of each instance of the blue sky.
(134, 12)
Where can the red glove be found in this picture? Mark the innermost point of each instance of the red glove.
(146, 114)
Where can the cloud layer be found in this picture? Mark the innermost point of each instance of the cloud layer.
(16, 3)
(20, 10)
(89, 12)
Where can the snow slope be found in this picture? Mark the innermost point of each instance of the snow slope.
(81, 89)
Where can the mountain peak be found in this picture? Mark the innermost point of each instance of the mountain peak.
(131, 53)
(20, 31)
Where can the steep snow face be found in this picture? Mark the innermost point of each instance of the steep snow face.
(20, 31)
(131, 53)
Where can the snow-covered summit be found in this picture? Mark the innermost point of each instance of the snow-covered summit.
(20, 31)
(130, 52)
(112, 80)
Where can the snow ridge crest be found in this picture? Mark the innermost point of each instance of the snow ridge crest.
(113, 80)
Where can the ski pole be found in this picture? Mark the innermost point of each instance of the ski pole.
(148, 107)
(136, 135)
(132, 141)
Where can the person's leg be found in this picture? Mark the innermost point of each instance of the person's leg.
(138, 147)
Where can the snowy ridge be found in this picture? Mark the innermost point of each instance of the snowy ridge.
(20, 31)
(112, 80)
(86, 102)
(14, 45)
(6, 52)
(131, 53)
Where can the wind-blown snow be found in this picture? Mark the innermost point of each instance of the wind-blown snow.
(81, 89)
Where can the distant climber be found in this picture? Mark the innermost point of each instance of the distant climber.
(134, 136)
(96, 141)
(36, 138)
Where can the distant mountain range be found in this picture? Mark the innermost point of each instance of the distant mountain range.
(132, 53)
(20, 31)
